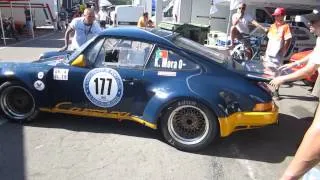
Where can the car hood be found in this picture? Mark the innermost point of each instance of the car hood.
(53, 61)
(40, 65)
(51, 54)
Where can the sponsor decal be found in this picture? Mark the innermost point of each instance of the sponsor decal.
(60, 74)
(69, 108)
(162, 61)
(167, 73)
(103, 87)
(40, 75)
(39, 85)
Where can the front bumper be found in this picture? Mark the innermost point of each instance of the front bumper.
(247, 120)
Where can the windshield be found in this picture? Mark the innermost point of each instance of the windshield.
(77, 52)
(200, 49)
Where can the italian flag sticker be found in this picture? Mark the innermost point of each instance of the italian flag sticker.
(163, 55)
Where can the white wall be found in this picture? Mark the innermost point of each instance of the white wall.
(200, 11)
(38, 14)
(186, 7)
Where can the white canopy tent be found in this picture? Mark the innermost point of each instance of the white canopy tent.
(104, 3)
(1, 20)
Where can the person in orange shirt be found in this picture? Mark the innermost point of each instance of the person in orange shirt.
(279, 41)
(144, 21)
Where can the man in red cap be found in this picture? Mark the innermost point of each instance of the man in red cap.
(279, 40)
(308, 154)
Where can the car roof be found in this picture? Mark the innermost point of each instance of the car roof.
(159, 36)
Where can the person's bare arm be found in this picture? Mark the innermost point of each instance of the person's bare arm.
(66, 38)
(254, 22)
(235, 20)
(308, 154)
(300, 74)
(285, 47)
(296, 63)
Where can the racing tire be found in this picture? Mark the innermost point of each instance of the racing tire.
(189, 126)
(17, 103)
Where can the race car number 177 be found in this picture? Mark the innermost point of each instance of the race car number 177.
(103, 87)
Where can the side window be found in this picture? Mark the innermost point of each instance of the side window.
(121, 52)
(166, 59)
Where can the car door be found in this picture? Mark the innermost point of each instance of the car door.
(116, 82)
(66, 81)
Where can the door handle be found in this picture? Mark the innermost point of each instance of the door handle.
(130, 80)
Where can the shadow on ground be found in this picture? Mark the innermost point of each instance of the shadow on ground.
(269, 144)
(12, 162)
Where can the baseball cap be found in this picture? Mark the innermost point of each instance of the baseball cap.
(279, 11)
(314, 16)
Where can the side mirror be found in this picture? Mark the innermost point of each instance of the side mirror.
(79, 61)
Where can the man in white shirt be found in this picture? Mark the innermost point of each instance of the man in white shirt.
(103, 17)
(84, 27)
(308, 154)
(240, 22)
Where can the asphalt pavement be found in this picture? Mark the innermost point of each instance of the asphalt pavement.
(64, 147)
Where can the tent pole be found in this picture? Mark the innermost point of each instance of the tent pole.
(31, 19)
(13, 25)
(4, 38)
(228, 30)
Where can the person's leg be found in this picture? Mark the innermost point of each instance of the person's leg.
(248, 49)
(308, 154)
(63, 24)
(234, 34)
(271, 68)
(29, 26)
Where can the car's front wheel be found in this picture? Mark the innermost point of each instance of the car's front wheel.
(16, 102)
(189, 126)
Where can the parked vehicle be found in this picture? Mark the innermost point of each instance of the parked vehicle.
(310, 79)
(127, 14)
(154, 77)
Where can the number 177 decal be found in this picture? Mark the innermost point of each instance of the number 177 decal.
(103, 81)
(103, 87)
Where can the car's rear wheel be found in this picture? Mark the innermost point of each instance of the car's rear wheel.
(189, 126)
(16, 102)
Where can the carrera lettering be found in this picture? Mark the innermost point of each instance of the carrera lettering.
(61, 106)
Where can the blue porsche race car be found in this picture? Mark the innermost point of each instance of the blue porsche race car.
(154, 77)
